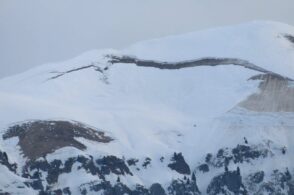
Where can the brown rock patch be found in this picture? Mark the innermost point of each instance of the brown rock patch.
(39, 138)
(275, 95)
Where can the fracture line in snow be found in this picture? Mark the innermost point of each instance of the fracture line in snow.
(59, 74)
(208, 61)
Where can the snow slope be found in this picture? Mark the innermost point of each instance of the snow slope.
(152, 112)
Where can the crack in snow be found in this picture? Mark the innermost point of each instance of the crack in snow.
(207, 61)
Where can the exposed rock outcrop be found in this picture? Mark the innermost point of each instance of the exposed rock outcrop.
(39, 138)
(5, 161)
(179, 164)
(230, 182)
(275, 95)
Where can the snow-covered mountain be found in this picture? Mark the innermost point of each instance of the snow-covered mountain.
(208, 112)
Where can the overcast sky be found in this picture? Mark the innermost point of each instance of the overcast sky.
(34, 32)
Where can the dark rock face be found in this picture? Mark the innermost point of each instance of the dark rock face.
(5, 161)
(259, 182)
(254, 180)
(239, 154)
(140, 190)
(119, 188)
(4, 193)
(179, 164)
(132, 162)
(101, 167)
(289, 38)
(43, 175)
(32, 170)
(156, 189)
(108, 189)
(112, 164)
(65, 191)
(256, 177)
(227, 183)
(36, 184)
(39, 138)
(208, 158)
(146, 162)
(245, 153)
(182, 187)
(177, 187)
(279, 182)
(204, 168)
(94, 186)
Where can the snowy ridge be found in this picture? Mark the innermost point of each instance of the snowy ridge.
(190, 124)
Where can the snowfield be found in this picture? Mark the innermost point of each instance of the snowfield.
(153, 113)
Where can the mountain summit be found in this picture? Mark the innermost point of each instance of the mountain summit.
(208, 112)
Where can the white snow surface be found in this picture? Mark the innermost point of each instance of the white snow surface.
(152, 112)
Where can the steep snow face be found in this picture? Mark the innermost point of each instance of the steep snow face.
(135, 102)
(151, 113)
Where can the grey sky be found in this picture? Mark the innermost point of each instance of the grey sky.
(34, 32)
